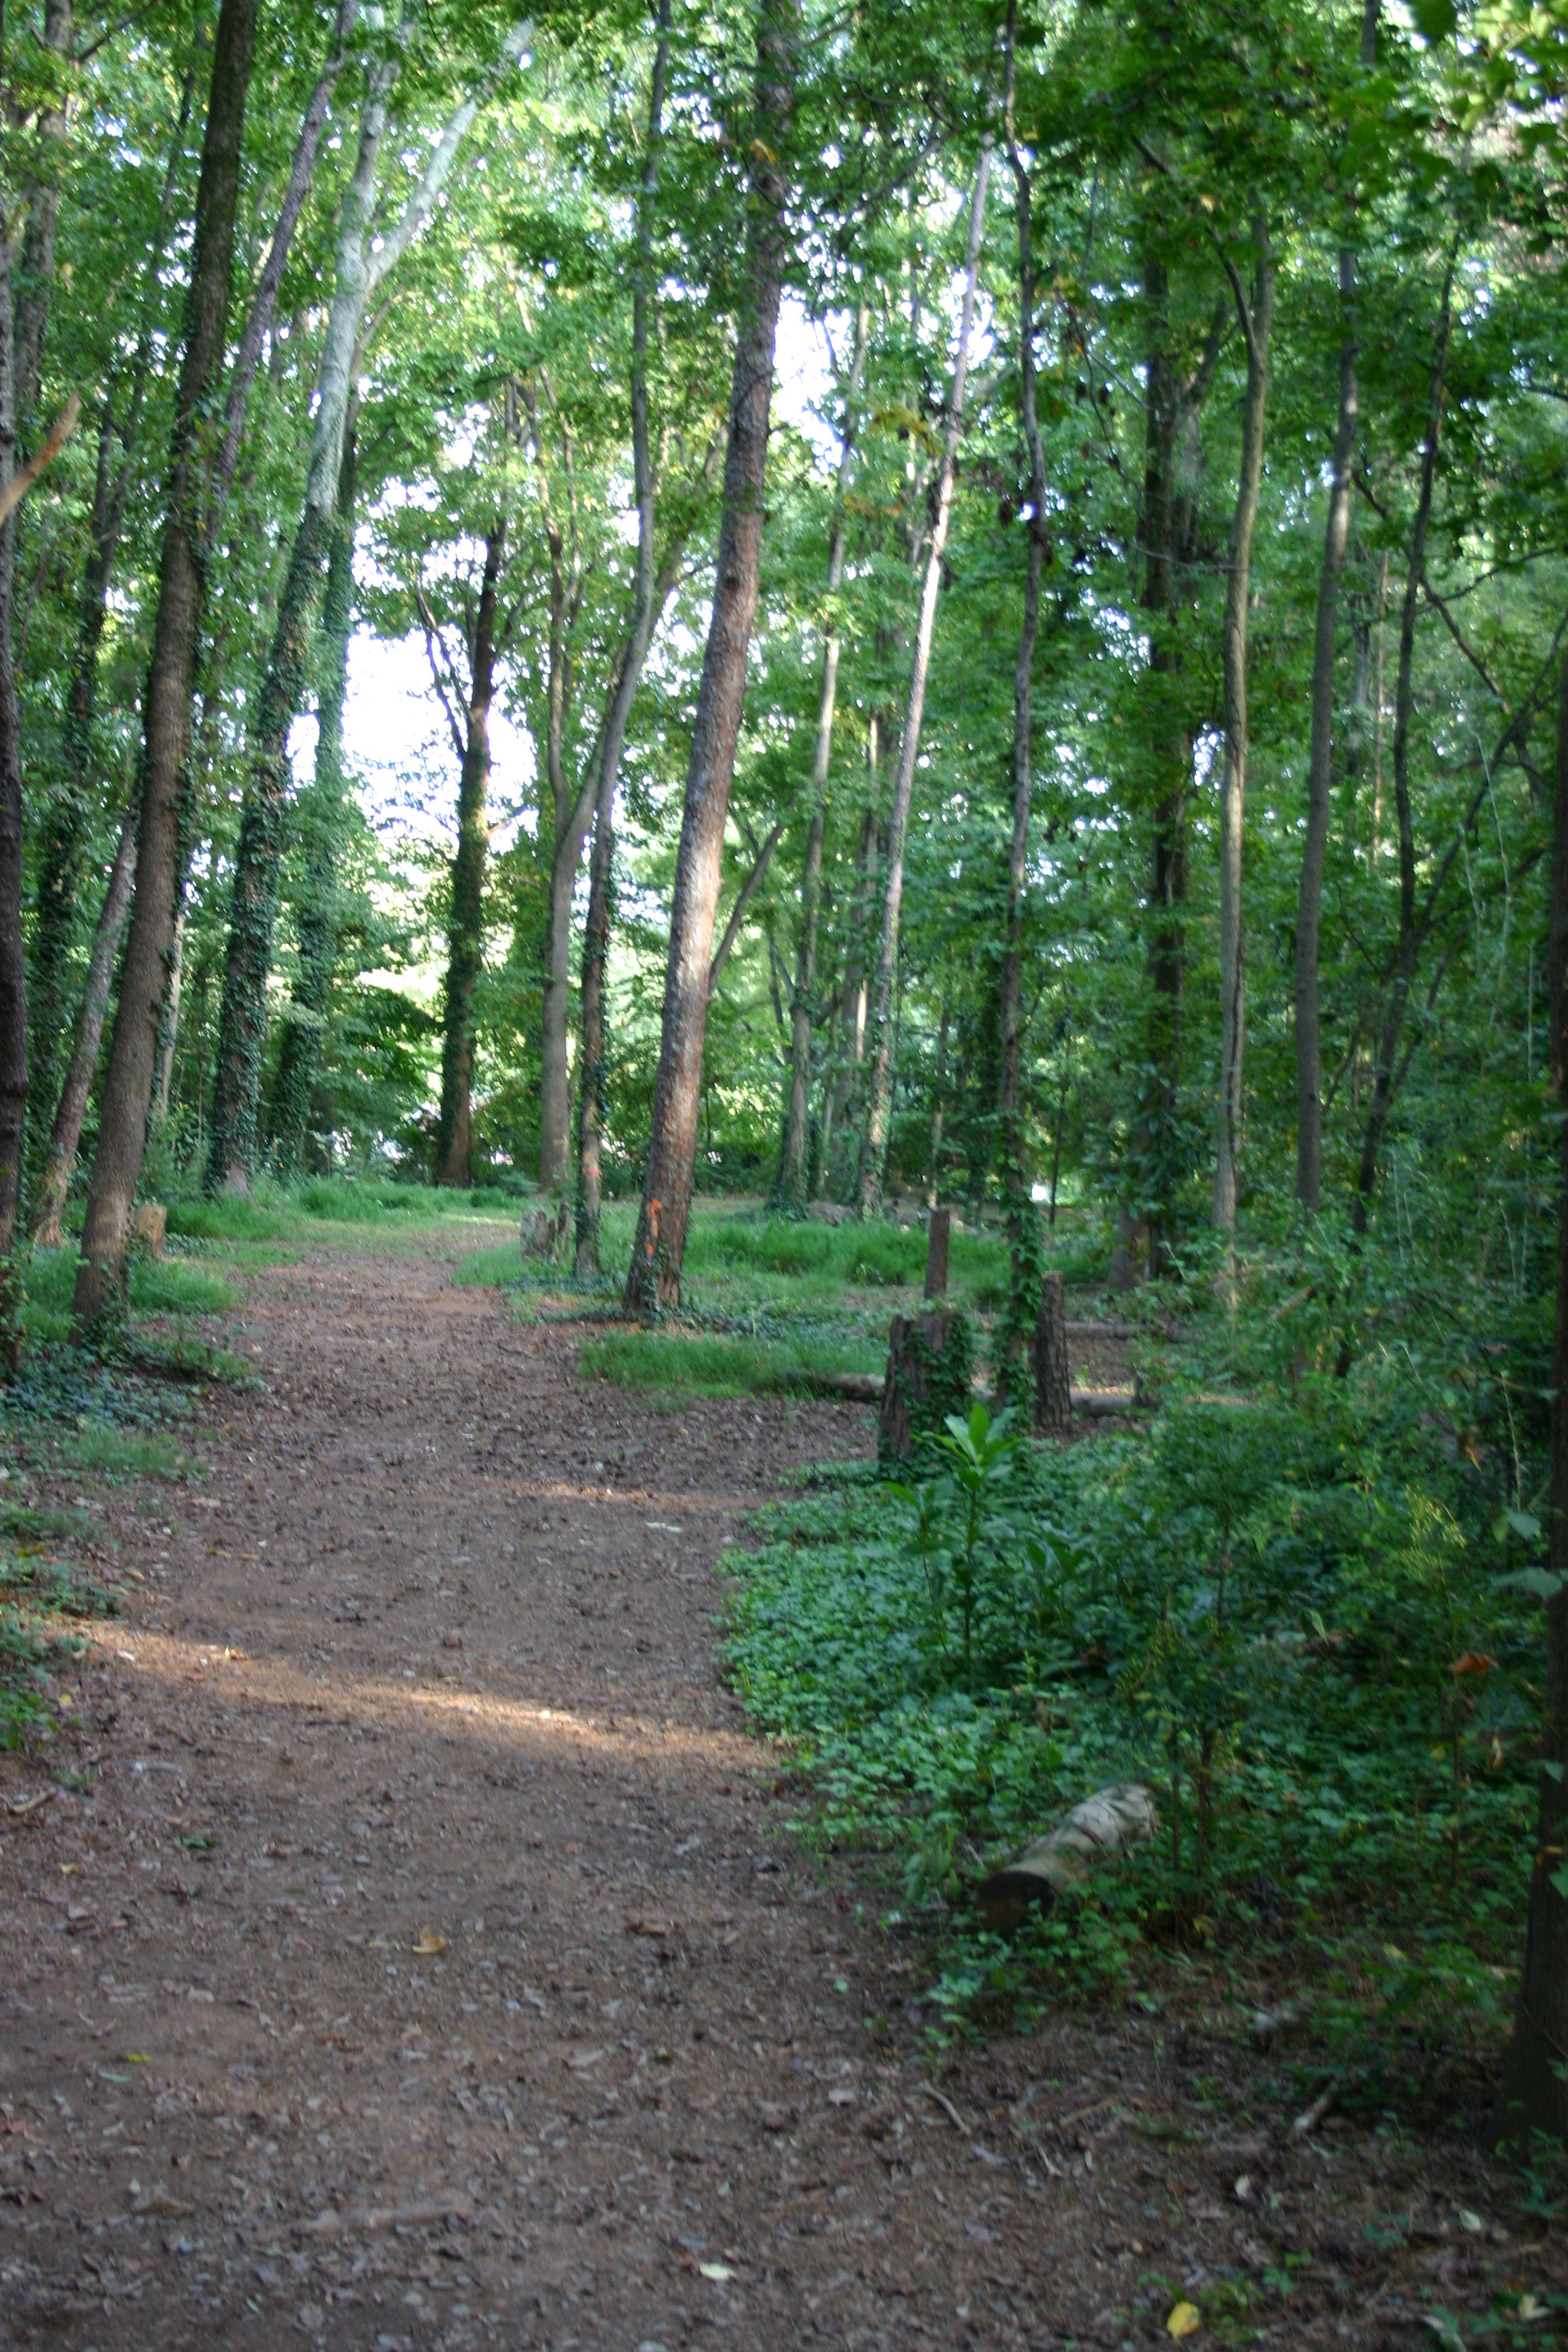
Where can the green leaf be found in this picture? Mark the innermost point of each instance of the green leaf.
(1434, 19)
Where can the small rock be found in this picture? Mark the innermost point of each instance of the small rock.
(772, 2119)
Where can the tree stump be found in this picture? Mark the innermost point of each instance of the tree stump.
(1048, 1360)
(930, 1363)
(544, 1229)
(936, 1253)
(150, 1225)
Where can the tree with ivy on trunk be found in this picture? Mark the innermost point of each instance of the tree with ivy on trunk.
(166, 723)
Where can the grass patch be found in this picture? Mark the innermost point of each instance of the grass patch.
(158, 1287)
(39, 1600)
(687, 1365)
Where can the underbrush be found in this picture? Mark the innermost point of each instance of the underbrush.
(1284, 1610)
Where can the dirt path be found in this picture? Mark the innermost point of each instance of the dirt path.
(428, 1662)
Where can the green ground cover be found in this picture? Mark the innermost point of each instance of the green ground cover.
(1283, 1605)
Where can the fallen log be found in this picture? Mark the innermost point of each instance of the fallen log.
(1106, 1823)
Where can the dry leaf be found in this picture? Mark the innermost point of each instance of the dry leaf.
(646, 1924)
(429, 1946)
(583, 2059)
(716, 2270)
(1185, 2320)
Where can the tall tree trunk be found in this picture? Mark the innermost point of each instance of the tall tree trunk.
(1257, 317)
(12, 956)
(466, 939)
(1319, 771)
(36, 276)
(166, 724)
(1321, 757)
(264, 300)
(362, 267)
(1535, 2076)
(1167, 534)
(321, 819)
(54, 1184)
(1409, 948)
(597, 939)
(794, 1171)
(242, 1020)
(68, 822)
(1009, 1107)
(874, 1137)
(660, 1243)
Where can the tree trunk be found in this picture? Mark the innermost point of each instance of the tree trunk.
(1320, 765)
(660, 1244)
(320, 820)
(647, 601)
(939, 1103)
(12, 955)
(1319, 772)
(68, 825)
(591, 1096)
(242, 1020)
(847, 1077)
(569, 829)
(1535, 2076)
(1049, 1361)
(1014, 1176)
(169, 1027)
(1167, 534)
(36, 278)
(793, 1174)
(264, 301)
(166, 725)
(466, 940)
(1256, 320)
(53, 1184)
(874, 1137)
(1409, 948)
(361, 269)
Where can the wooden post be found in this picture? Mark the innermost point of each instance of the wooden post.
(936, 1253)
(1048, 1359)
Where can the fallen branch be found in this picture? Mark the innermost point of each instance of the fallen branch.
(1311, 2117)
(929, 2090)
(391, 2217)
(21, 482)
